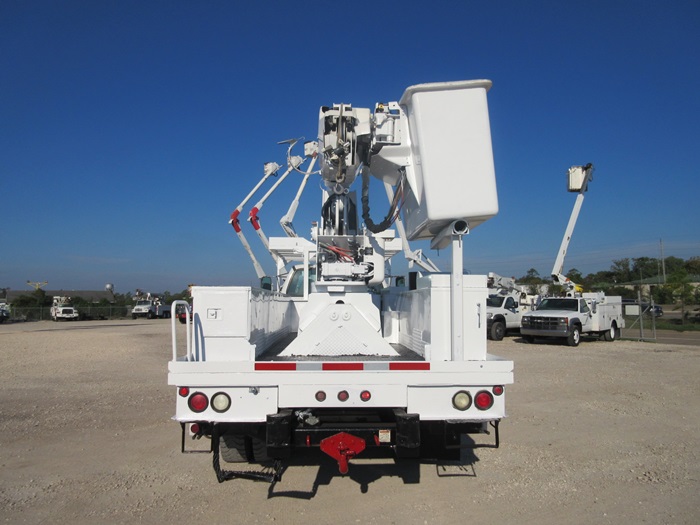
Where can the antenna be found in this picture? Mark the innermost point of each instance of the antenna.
(37, 285)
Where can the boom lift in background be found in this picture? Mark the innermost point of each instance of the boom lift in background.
(578, 179)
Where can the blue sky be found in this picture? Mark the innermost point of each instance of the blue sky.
(130, 130)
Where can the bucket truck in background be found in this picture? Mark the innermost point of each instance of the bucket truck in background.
(577, 313)
(332, 354)
(505, 306)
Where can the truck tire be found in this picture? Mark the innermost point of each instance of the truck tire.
(151, 315)
(133, 316)
(234, 448)
(574, 337)
(259, 449)
(611, 334)
(498, 330)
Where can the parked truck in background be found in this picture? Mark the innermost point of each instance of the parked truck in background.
(150, 307)
(62, 309)
(4, 312)
(505, 306)
(570, 318)
(331, 353)
(575, 313)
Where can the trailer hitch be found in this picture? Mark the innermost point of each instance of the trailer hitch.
(342, 447)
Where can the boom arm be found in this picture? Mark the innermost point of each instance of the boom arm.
(579, 177)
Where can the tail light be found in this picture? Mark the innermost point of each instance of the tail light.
(462, 400)
(343, 395)
(221, 402)
(198, 402)
(483, 400)
(320, 396)
(498, 390)
(183, 391)
(365, 395)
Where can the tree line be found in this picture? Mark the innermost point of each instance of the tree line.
(632, 271)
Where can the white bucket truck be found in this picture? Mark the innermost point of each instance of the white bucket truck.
(327, 354)
(576, 313)
(151, 307)
(63, 310)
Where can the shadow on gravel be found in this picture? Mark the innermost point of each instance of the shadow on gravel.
(381, 464)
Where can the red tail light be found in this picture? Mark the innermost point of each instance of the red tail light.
(343, 395)
(198, 402)
(483, 400)
(365, 395)
(183, 391)
(320, 396)
(498, 390)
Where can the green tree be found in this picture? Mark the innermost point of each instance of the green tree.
(32, 300)
(679, 283)
(692, 266)
(575, 276)
(644, 267)
(621, 271)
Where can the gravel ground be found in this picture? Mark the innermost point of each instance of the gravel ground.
(602, 433)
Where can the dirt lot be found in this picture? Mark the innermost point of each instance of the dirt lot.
(604, 433)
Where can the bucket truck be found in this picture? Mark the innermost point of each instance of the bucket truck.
(333, 354)
(505, 306)
(577, 313)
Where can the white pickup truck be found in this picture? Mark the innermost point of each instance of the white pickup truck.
(571, 317)
(503, 313)
(63, 310)
(150, 308)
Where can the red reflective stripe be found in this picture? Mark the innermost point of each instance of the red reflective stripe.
(343, 366)
(275, 366)
(409, 366)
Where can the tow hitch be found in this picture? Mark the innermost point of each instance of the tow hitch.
(342, 447)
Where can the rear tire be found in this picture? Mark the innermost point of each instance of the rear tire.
(611, 334)
(234, 448)
(498, 330)
(259, 449)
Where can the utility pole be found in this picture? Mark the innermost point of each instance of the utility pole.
(663, 261)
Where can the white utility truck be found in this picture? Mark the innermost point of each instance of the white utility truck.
(327, 353)
(577, 313)
(505, 306)
(151, 307)
(62, 309)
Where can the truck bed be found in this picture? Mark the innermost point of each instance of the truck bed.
(272, 354)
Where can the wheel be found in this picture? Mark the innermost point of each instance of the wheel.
(611, 334)
(151, 315)
(234, 448)
(133, 316)
(259, 449)
(498, 330)
(529, 339)
(574, 336)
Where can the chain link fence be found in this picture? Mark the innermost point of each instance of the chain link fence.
(86, 313)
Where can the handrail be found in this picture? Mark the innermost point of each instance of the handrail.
(173, 320)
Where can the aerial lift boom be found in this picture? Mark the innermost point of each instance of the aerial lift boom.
(579, 177)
